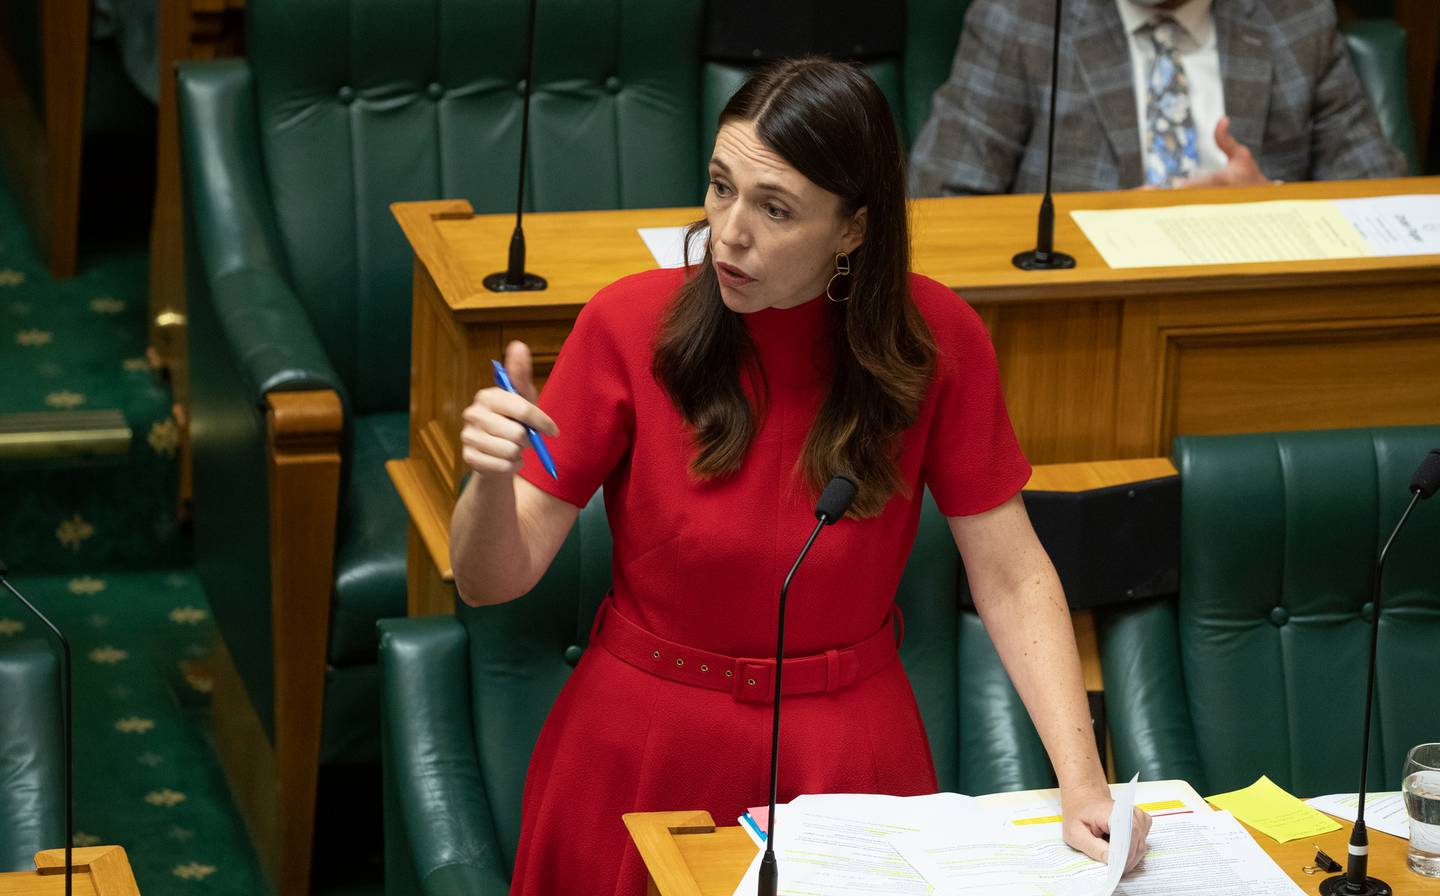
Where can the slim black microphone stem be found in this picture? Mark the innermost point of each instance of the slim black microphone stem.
(514, 278)
(769, 873)
(1356, 881)
(1043, 256)
(65, 709)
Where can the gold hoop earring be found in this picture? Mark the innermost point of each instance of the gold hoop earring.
(842, 269)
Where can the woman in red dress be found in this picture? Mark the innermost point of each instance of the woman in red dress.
(713, 403)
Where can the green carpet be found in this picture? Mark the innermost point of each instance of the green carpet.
(79, 344)
(146, 776)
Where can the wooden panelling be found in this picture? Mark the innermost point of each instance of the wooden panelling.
(1324, 376)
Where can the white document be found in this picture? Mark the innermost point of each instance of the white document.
(1396, 225)
(1238, 233)
(1020, 858)
(840, 844)
(1383, 811)
(667, 245)
(1191, 853)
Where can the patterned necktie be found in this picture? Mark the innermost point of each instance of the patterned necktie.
(1172, 152)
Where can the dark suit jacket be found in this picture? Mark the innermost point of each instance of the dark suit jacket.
(1290, 91)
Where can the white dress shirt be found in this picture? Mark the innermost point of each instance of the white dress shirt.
(1197, 52)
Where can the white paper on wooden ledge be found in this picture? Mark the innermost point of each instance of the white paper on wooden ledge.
(667, 245)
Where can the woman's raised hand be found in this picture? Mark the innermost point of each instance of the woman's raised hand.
(492, 436)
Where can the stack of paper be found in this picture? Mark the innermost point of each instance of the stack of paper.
(1008, 844)
(1273, 231)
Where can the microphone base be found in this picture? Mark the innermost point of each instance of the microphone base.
(1336, 886)
(1034, 260)
(500, 282)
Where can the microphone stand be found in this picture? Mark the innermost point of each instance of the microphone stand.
(769, 871)
(1355, 881)
(515, 278)
(1044, 257)
(66, 722)
(834, 501)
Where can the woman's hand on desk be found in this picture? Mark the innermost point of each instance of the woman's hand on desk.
(492, 435)
(1087, 823)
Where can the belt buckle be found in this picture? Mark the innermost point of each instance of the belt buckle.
(754, 680)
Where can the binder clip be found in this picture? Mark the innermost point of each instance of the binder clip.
(1323, 863)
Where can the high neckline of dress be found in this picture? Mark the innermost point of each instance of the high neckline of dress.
(792, 344)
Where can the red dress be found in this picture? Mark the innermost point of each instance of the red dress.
(701, 563)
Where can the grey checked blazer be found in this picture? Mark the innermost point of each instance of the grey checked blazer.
(1290, 91)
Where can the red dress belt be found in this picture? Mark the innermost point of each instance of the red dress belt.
(745, 678)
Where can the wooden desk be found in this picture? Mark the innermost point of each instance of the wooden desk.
(1097, 363)
(99, 871)
(689, 856)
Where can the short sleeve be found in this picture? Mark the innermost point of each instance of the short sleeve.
(972, 460)
(589, 397)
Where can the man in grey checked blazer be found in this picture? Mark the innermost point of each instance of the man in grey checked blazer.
(1294, 104)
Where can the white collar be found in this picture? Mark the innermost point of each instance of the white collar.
(1194, 17)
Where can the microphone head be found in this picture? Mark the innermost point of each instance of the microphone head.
(835, 500)
(1427, 479)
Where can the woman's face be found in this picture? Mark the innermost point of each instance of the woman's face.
(773, 232)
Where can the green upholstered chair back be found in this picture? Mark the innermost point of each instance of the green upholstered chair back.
(32, 758)
(361, 103)
(932, 34)
(1377, 49)
(522, 652)
(1279, 535)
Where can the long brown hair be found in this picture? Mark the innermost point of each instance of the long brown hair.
(831, 123)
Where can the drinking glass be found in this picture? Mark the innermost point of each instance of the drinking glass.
(1421, 787)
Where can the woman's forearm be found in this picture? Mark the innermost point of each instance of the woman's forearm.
(487, 545)
(1029, 623)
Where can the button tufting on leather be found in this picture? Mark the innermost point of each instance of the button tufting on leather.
(1279, 616)
(435, 91)
(612, 84)
(346, 94)
(573, 653)
(1368, 611)
(520, 87)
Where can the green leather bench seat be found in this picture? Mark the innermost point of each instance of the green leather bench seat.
(32, 757)
(369, 557)
(465, 697)
(1377, 49)
(300, 277)
(1259, 665)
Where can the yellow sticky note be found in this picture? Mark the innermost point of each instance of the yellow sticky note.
(1267, 808)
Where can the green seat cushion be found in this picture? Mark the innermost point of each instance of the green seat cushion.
(370, 553)
(32, 770)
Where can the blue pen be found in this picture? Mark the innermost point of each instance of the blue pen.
(502, 379)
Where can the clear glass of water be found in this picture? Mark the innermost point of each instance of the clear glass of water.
(1421, 787)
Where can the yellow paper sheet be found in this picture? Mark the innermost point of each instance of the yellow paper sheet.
(1270, 810)
(1281, 230)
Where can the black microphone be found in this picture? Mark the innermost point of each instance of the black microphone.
(515, 278)
(833, 503)
(1044, 257)
(1427, 479)
(1355, 881)
(65, 717)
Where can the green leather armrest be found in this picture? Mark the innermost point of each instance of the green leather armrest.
(235, 241)
(448, 835)
(32, 758)
(1377, 49)
(1150, 728)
